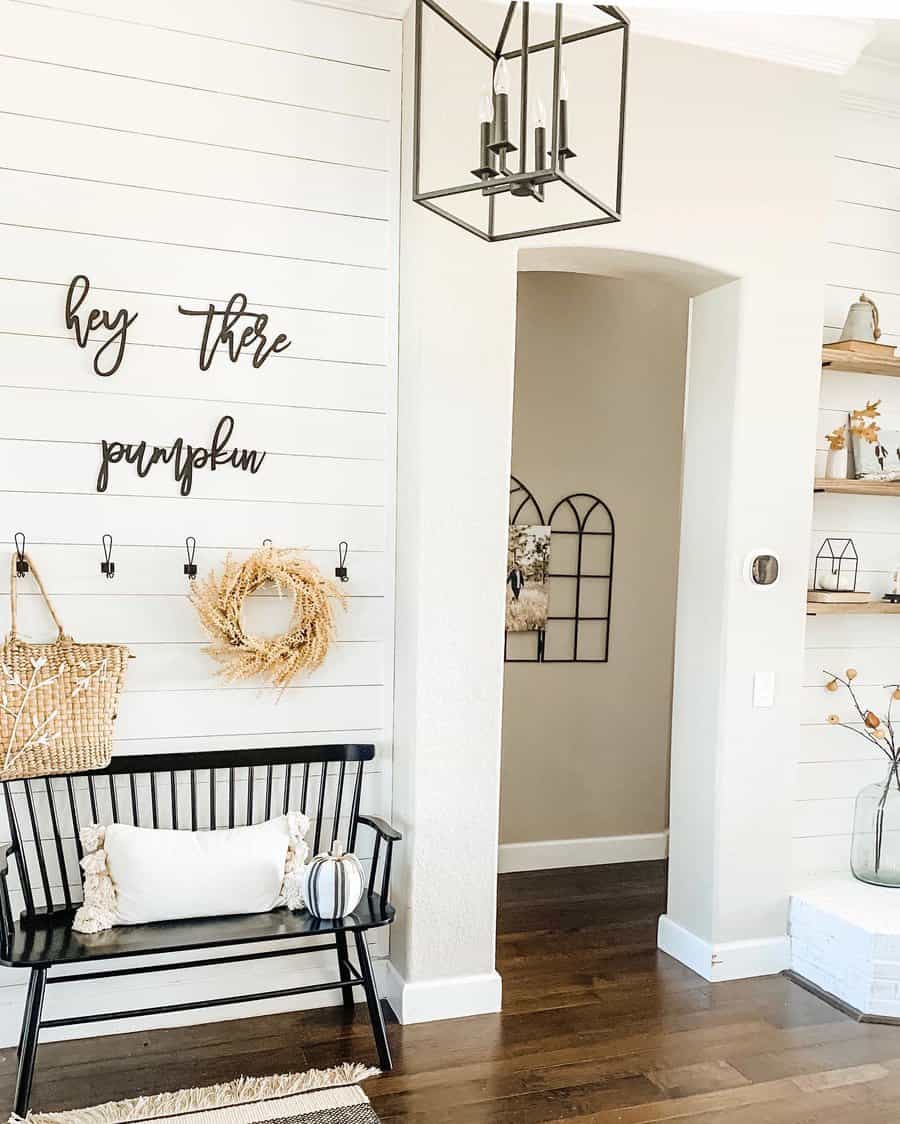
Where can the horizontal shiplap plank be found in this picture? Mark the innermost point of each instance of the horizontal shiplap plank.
(813, 818)
(126, 264)
(157, 570)
(295, 26)
(45, 415)
(833, 743)
(86, 518)
(861, 267)
(154, 55)
(874, 666)
(847, 390)
(208, 713)
(879, 551)
(866, 226)
(39, 310)
(170, 166)
(238, 228)
(260, 739)
(173, 620)
(866, 184)
(40, 363)
(867, 137)
(820, 853)
(816, 703)
(163, 668)
(836, 779)
(190, 118)
(188, 125)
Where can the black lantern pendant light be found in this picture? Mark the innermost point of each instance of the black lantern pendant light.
(531, 170)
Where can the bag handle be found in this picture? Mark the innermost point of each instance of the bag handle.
(43, 592)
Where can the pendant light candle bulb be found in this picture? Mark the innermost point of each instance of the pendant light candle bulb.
(564, 150)
(539, 113)
(502, 83)
(485, 108)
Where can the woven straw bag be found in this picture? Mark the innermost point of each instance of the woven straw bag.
(57, 700)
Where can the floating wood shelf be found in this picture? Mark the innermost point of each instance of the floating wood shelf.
(859, 487)
(836, 360)
(816, 609)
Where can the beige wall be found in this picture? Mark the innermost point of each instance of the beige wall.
(599, 397)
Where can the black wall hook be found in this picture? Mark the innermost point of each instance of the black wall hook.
(191, 546)
(341, 568)
(22, 566)
(107, 566)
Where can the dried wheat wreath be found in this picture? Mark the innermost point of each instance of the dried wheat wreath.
(302, 648)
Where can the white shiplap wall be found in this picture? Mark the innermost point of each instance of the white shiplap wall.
(863, 254)
(178, 153)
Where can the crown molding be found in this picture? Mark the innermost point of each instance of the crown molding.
(387, 9)
(824, 44)
(813, 43)
(873, 86)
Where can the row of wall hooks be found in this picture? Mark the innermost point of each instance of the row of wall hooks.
(108, 567)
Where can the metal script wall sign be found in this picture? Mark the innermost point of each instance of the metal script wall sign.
(252, 338)
(183, 457)
(253, 335)
(97, 318)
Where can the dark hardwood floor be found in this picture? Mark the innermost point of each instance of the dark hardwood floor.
(597, 1026)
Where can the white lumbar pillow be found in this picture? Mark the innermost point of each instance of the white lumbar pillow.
(134, 875)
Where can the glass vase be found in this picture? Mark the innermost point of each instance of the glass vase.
(875, 854)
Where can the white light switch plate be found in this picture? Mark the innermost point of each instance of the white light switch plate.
(764, 688)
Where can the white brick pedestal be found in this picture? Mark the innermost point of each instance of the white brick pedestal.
(845, 940)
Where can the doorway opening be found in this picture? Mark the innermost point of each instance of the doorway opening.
(602, 346)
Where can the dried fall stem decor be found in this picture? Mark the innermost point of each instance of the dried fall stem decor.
(301, 649)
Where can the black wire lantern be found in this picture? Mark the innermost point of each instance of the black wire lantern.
(515, 163)
(837, 566)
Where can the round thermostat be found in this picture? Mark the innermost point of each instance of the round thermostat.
(762, 568)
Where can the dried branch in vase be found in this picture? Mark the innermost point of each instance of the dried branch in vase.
(863, 424)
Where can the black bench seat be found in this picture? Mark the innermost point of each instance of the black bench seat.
(187, 792)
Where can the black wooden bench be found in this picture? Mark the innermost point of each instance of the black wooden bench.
(245, 786)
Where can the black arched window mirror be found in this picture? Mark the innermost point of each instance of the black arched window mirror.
(582, 553)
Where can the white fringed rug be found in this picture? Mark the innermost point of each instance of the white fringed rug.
(319, 1096)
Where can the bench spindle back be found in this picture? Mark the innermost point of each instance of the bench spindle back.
(184, 792)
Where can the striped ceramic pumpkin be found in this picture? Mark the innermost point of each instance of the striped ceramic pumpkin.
(333, 884)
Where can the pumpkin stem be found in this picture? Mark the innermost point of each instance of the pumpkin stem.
(337, 849)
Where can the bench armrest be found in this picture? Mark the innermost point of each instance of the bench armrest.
(383, 833)
(383, 829)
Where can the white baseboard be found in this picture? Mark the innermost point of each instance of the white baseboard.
(455, 997)
(730, 960)
(550, 854)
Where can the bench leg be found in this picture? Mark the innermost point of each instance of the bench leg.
(374, 1002)
(28, 998)
(342, 955)
(28, 1050)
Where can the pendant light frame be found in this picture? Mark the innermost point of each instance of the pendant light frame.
(525, 181)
